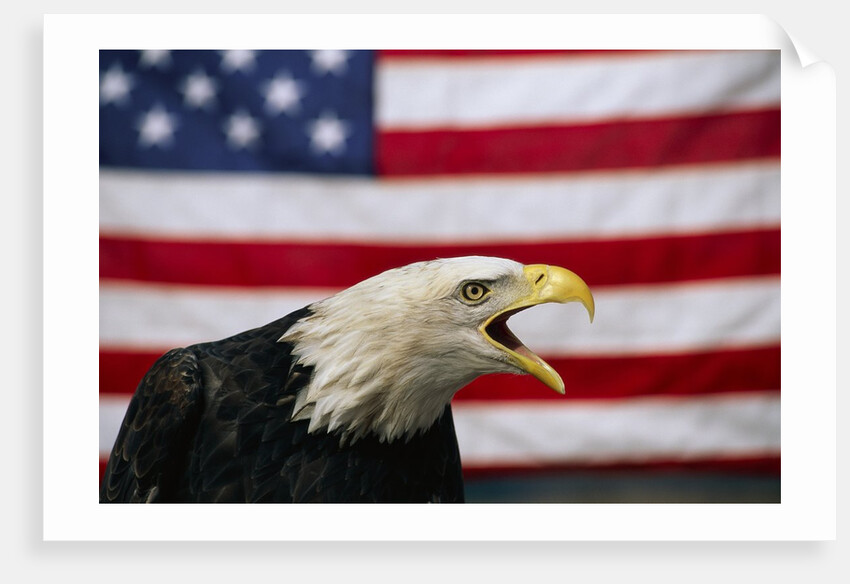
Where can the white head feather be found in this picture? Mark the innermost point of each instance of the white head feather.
(389, 353)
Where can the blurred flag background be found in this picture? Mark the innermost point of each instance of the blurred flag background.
(237, 186)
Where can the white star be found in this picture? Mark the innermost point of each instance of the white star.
(199, 90)
(115, 85)
(233, 61)
(328, 134)
(335, 62)
(283, 94)
(155, 59)
(242, 130)
(156, 128)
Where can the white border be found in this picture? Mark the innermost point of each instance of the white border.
(71, 511)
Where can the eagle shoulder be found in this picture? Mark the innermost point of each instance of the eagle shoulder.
(213, 422)
(159, 423)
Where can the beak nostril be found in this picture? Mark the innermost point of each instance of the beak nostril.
(540, 277)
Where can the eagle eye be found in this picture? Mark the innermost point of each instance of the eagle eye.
(474, 291)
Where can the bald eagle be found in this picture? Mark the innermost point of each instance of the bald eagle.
(344, 400)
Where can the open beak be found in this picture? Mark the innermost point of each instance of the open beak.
(548, 284)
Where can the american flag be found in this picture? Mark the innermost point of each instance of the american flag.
(237, 186)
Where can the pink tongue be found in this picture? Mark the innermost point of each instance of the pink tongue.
(505, 337)
(526, 352)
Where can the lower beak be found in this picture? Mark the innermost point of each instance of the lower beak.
(548, 284)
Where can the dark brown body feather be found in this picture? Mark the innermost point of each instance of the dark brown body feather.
(211, 423)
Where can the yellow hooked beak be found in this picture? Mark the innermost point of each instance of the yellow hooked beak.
(548, 284)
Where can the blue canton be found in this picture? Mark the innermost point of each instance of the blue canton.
(272, 111)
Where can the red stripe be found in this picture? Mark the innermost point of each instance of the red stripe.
(585, 377)
(609, 145)
(765, 465)
(430, 54)
(601, 263)
(121, 371)
(623, 377)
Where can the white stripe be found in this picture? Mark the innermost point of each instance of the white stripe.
(112, 409)
(637, 430)
(470, 93)
(286, 207)
(629, 320)
(658, 319)
(164, 317)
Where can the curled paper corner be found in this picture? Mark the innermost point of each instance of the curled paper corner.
(804, 55)
(788, 42)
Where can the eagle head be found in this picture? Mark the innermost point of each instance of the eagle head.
(389, 353)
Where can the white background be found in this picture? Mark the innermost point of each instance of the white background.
(817, 29)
